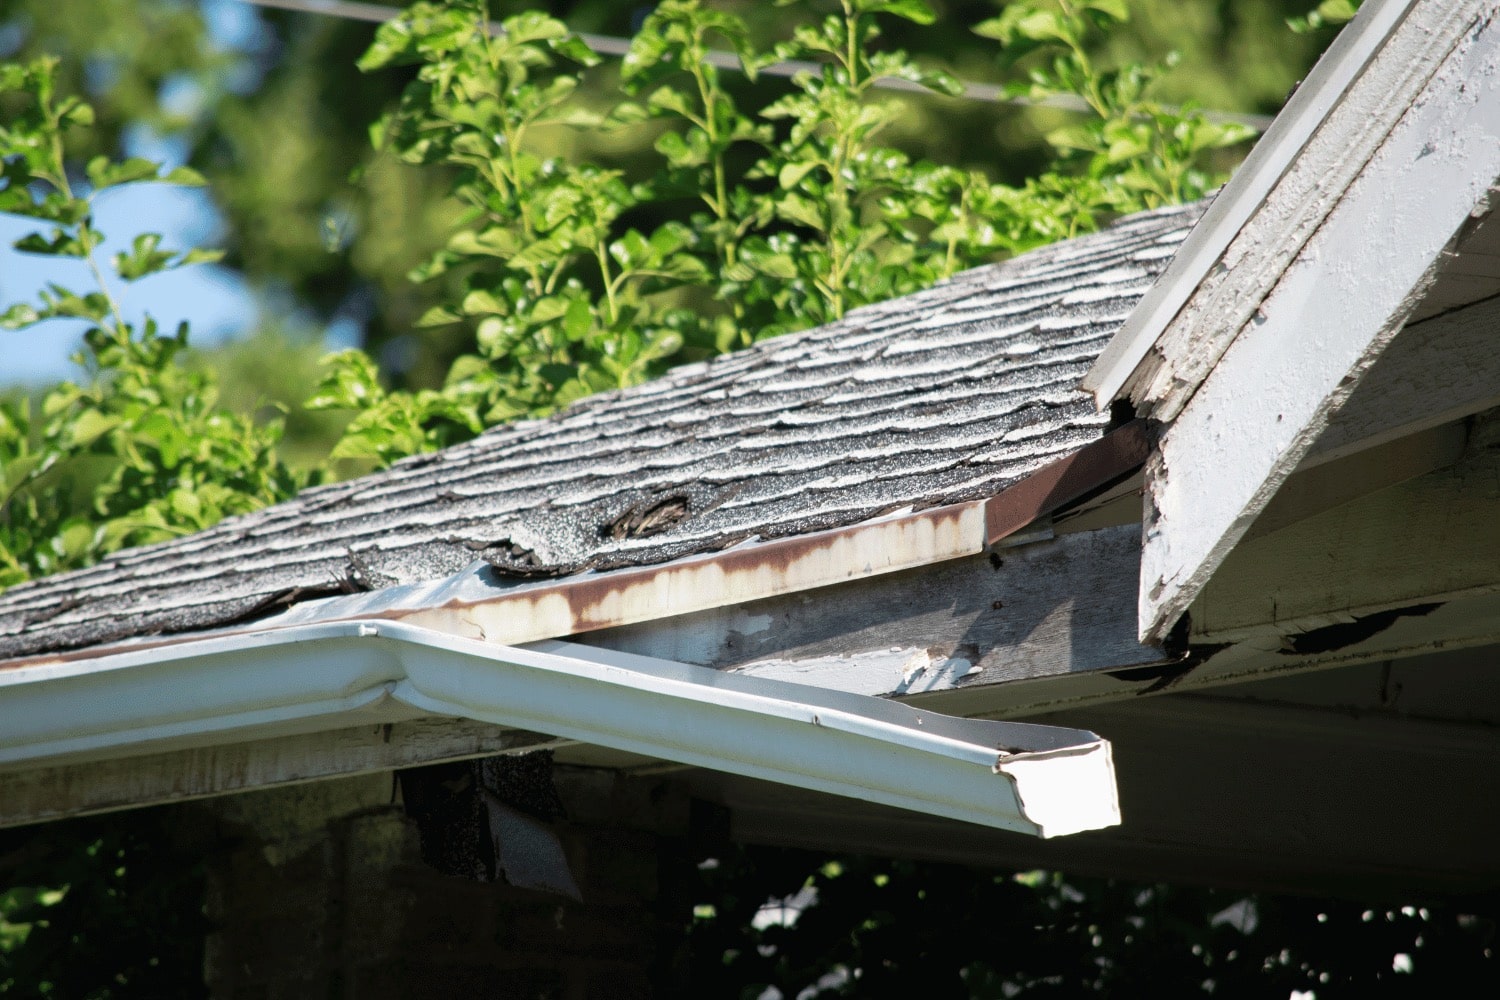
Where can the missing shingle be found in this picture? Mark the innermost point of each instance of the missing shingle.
(360, 576)
(645, 519)
(511, 557)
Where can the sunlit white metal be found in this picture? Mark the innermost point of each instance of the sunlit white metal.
(1041, 780)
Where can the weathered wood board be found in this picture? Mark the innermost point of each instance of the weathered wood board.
(1061, 606)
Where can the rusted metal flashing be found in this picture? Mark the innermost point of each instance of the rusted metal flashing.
(471, 605)
(1069, 479)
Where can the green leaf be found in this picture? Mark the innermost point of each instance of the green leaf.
(199, 255)
(791, 174)
(104, 174)
(1043, 25)
(1116, 9)
(801, 211)
(913, 10)
(143, 259)
(61, 244)
(20, 315)
(186, 176)
(480, 303)
(632, 251)
(186, 505)
(764, 260)
(578, 320)
(548, 309)
(89, 426)
(351, 383)
(438, 316)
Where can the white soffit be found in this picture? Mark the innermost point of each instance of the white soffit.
(1322, 304)
(1042, 780)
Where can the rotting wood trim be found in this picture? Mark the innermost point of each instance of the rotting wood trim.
(1426, 540)
(791, 565)
(1319, 486)
(1323, 324)
(1459, 623)
(1133, 353)
(1281, 229)
(1059, 608)
(1434, 372)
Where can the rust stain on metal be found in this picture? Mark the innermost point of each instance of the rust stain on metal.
(1071, 478)
(765, 569)
(572, 605)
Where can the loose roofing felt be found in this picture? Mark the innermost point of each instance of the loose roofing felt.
(947, 395)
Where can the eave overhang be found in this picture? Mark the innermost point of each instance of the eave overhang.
(1264, 327)
(1041, 780)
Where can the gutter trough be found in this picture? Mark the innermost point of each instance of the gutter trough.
(1041, 780)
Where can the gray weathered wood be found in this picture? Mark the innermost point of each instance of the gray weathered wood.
(1328, 139)
(1053, 608)
(49, 793)
(1309, 312)
(1325, 485)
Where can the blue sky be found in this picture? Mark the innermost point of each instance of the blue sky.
(214, 300)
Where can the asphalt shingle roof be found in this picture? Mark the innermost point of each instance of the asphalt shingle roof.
(950, 394)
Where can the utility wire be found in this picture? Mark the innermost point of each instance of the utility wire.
(352, 10)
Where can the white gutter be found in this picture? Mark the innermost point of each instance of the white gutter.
(1305, 111)
(1041, 780)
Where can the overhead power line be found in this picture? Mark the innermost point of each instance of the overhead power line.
(609, 45)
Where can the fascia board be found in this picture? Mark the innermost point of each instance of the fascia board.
(1320, 327)
(1276, 151)
(999, 774)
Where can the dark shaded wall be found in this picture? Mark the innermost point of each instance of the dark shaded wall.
(319, 891)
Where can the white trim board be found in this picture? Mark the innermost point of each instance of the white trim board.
(1340, 68)
(1333, 308)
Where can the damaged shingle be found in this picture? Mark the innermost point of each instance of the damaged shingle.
(645, 520)
(946, 395)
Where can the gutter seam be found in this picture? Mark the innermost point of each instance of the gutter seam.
(852, 745)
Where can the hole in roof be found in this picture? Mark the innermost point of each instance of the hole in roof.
(647, 518)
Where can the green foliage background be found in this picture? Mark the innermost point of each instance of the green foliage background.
(554, 225)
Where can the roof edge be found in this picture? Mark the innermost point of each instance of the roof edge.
(474, 603)
(1314, 100)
